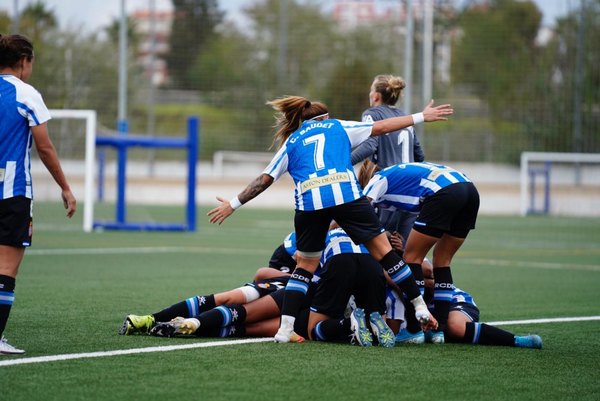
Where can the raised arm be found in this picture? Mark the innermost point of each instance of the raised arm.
(226, 208)
(429, 114)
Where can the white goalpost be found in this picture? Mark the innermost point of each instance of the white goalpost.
(577, 174)
(90, 139)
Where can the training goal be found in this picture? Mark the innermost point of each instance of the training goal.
(75, 130)
(560, 183)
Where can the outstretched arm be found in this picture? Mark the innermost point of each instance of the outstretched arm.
(429, 114)
(226, 208)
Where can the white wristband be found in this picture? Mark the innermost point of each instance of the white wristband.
(235, 203)
(418, 118)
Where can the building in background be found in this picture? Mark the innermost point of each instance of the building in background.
(154, 29)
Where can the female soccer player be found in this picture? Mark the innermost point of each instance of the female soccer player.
(315, 151)
(447, 202)
(397, 147)
(23, 117)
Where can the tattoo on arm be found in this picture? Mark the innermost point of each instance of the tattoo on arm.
(255, 188)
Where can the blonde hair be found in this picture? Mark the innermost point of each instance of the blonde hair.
(389, 87)
(366, 172)
(292, 110)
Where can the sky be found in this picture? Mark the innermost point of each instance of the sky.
(94, 14)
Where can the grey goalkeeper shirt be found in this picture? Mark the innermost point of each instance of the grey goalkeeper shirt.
(394, 148)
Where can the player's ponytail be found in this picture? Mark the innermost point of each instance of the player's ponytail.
(292, 110)
(366, 172)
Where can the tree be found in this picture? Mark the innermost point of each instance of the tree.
(192, 29)
(496, 50)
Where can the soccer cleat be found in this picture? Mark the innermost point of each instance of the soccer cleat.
(287, 337)
(385, 335)
(286, 333)
(7, 349)
(434, 337)
(136, 324)
(361, 334)
(177, 326)
(529, 341)
(405, 337)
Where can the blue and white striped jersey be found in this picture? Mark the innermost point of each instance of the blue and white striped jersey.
(338, 242)
(21, 107)
(404, 186)
(462, 297)
(317, 156)
(289, 243)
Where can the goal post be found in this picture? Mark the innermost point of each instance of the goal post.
(90, 118)
(124, 142)
(544, 165)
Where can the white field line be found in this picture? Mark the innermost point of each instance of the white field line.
(168, 348)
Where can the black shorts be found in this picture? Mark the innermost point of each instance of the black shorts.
(452, 210)
(470, 310)
(16, 223)
(270, 285)
(357, 218)
(280, 294)
(282, 260)
(350, 274)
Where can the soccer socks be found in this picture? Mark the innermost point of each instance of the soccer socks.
(332, 330)
(189, 308)
(417, 272)
(484, 334)
(401, 274)
(295, 293)
(442, 294)
(221, 317)
(7, 297)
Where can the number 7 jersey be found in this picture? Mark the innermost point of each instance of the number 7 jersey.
(317, 156)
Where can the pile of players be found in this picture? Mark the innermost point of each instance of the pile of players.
(355, 265)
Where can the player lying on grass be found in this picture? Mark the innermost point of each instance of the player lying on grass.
(348, 269)
(266, 281)
(463, 322)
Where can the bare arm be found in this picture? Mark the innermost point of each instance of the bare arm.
(48, 156)
(255, 188)
(430, 114)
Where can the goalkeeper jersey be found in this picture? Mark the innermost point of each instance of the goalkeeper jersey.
(394, 148)
(317, 156)
(404, 186)
(21, 107)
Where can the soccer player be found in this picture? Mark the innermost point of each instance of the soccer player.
(315, 151)
(398, 147)
(347, 269)
(447, 202)
(23, 117)
(463, 323)
(266, 281)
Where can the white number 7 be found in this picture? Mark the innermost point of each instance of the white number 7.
(319, 141)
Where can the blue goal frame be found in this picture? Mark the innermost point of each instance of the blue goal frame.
(122, 143)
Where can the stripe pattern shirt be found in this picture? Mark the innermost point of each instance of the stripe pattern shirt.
(317, 157)
(405, 186)
(338, 242)
(21, 107)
